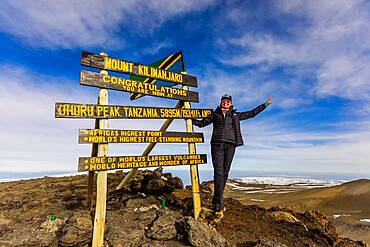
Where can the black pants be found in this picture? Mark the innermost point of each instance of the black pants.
(222, 156)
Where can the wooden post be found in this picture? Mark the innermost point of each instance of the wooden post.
(194, 173)
(101, 190)
(148, 149)
(90, 178)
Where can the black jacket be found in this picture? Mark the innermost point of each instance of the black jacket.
(227, 129)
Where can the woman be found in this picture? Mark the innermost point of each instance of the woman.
(226, 136)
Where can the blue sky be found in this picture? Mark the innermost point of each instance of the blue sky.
(311, 56)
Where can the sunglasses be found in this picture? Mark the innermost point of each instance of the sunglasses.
(226, 101)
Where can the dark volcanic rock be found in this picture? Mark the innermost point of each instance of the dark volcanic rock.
(201, 236)
(157, 183)
(154, 225)
(164, 226)
(78, 230)
(318, 221)
(152, 209)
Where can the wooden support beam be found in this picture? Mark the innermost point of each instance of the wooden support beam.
(90, 176)
(194, 173)
(102, 177)
(148, 149)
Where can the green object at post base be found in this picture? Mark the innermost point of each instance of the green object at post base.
(163, 204)
(53, 218)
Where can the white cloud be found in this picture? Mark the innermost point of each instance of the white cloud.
(281, 147)
(32, 139)
(329, 44)
(84, 23)
(63, 24)
(346, 77)
(264, 48)
(328, 28)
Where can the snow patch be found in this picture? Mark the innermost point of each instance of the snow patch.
(257, 200)
(335, 216)
(290, 180)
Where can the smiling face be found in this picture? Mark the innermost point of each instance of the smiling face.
(226, 104)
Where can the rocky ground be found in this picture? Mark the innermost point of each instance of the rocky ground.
(52, 212)
(345, 205)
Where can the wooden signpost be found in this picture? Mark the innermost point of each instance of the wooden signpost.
(122, 84)
(99, 137)
(128, 162)
(72, 110)
(122, 66)
(136, 136)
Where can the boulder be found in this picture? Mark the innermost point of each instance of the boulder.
(202, 236)
(316, 220)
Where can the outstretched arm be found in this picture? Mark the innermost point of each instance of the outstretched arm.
(203, 122)
(255, 111)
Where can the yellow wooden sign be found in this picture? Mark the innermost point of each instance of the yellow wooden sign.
(136, 136)
(118, 65)
(72, 110)
(128, 162)
(122, 84)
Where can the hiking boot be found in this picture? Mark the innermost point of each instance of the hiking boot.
(219, 214)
